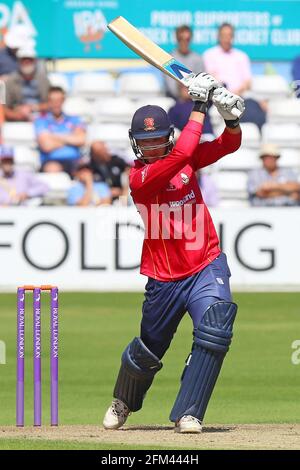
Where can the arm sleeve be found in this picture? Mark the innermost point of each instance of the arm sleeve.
(40, 126)
(78, 123)
(151, 178)
(210, 152)
(9, 100)
(74, 195)
(103, 190)
(254, 181)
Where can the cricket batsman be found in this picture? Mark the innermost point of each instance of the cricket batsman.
(186, 270)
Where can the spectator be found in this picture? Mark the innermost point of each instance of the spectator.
(8, 54)
(179, 113)
(186, 56)
(209, 189)
(26, 89)
(60, 137)
(233, 69)
(86, 192)
(17, 186)
(108, 168)
(272, 185)
(227, 64)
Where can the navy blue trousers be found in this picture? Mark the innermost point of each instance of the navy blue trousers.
(166, 303)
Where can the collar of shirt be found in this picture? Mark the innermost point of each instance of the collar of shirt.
(221, 50)
(53, 120)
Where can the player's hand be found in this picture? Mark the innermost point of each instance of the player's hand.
(230, 106)
(200, 86)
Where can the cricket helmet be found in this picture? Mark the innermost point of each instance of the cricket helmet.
(150, 122)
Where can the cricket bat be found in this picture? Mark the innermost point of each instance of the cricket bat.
(150, 51)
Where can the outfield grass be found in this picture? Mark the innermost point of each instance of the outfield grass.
(258, 384)
(31, 444)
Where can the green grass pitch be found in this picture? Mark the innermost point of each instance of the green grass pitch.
(258, 383)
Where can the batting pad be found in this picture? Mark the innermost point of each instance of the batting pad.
(136, 374)
(211, 342)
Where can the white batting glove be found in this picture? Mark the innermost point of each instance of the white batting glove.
(200, 85)
(230, 106)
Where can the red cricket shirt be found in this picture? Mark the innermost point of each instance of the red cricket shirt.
(180, 237)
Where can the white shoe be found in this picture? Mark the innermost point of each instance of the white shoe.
(116, 415)
(188, 424)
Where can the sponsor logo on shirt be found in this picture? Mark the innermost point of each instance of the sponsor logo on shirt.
(187, 198)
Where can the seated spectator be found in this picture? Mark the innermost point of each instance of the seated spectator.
(107, 168)
(232, 68)
(26, 89)
(179, 113)
(86, 192)
(184, 54)
(272, 185)
(17, 186)
(60, 137)
(209, 189)
(227, 64)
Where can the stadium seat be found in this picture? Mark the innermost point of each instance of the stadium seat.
(115, 135)
(117, 109)
(290, 158)
(93, 85)
(251, 135)
(59, 184)
(19, 133)
(139, 85)
(164, 102)
(232, 185)
(59, 79)
(26, 158)
(267, 87)
(78, 106)
(243, 159)
(284, 135)
(282, 111)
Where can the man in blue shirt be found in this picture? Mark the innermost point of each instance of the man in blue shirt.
(86, 192)
(60, 137)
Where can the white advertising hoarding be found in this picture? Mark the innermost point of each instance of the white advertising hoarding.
(99, 248)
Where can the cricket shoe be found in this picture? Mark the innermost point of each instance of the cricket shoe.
(188, 424)
(116, 415)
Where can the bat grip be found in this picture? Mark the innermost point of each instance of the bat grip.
(236, 112)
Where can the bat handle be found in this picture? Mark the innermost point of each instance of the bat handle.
(236, 112)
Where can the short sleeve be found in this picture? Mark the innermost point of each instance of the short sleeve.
(74, 195)
(40, 125)
(77, 122)
(253, 183)
(103, 190)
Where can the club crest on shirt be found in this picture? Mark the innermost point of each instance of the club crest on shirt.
(185, 179)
